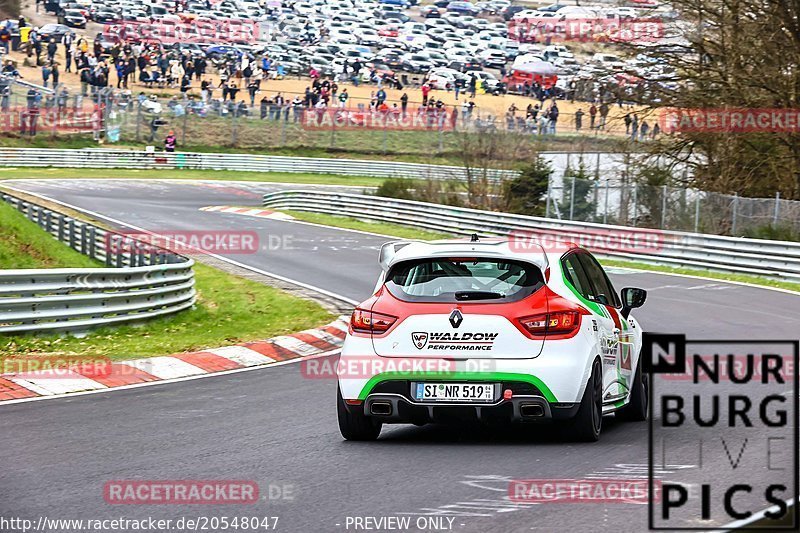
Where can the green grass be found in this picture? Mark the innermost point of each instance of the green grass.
(408, 232)
(229, 310)
(382, 228)
(24, 245)
(227, 175)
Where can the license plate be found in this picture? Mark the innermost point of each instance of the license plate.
(454, 392)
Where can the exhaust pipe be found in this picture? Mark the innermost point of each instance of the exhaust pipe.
(380, 408)
(531, 410)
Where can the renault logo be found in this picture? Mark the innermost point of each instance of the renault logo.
(456, 318)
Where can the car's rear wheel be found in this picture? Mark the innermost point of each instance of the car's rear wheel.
(354, 425)
(585, 426)
(636, 410)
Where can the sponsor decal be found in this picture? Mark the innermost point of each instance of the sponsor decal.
(480, 341)
(420, 339)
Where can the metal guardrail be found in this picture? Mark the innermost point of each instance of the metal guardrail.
(141, 282)
(101, 158)
(727, 254)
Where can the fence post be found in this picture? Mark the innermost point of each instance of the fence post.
(605, 208)
(138, 120)
(547, 201)
(635, 204)
(697, 213)
(572, 197)
(185, 122)
(663, 206)
(735, 209)
(777, 208)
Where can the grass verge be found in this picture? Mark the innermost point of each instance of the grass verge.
(382, 228)
(224, 175)
(24, 245)
(229, 309)
(407, 232)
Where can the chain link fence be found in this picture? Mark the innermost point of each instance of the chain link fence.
(612, 196)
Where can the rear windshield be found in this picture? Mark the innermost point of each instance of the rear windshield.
(463, 280)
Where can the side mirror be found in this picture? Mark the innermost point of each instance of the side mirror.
(632, 298)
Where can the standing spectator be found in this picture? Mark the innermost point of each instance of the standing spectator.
(205, 90)
(426, 89)
(404, 103)
(252, 89)
(263, 105)
(68, 41)
(54, 73)
(644, 130)
(592, 115)
(656, 130)
(578, 119)
(46, 71)
(52, 48)
(381, 96)
(634, 127)
(343, 96)
(553, 117)
(603, 116)
(473, 85)
(170, 141)
(627, 124)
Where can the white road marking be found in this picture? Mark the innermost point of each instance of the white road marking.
(242, 355)
(164, 367)
(65, 382)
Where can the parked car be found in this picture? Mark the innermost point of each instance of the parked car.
(72, 18)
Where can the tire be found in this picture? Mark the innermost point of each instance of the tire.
(636, 410)
(355, 426)
(585, 426)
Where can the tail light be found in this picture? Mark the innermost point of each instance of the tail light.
(561, 324)
(364, 321)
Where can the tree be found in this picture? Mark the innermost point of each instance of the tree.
(526, 194)
(736, 54)
(582, 208)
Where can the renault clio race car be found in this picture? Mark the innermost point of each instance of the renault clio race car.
(491, 331)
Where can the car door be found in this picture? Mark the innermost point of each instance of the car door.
(620, 340)
(581, 276)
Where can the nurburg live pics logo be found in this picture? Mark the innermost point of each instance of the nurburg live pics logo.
(735, 420)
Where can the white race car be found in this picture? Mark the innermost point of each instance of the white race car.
(493, 330)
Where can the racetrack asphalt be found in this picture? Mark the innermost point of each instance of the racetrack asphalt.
(279, 429)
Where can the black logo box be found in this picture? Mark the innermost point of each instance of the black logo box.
(678, 366)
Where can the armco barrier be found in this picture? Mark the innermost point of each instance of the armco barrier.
(141, 282)
(101, 158)
(727, 254)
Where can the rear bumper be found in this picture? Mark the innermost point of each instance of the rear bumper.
(393, 408)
